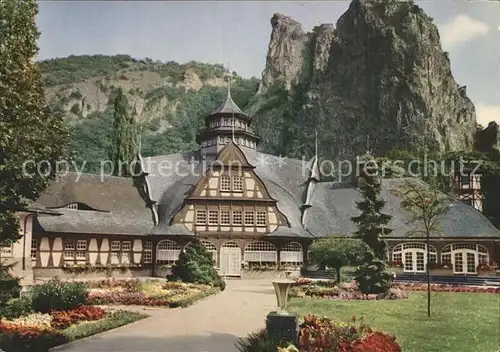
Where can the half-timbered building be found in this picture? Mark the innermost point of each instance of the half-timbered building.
(250, 210)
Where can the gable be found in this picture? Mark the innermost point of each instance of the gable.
(231, 176)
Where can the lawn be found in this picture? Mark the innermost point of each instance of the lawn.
(467, 322)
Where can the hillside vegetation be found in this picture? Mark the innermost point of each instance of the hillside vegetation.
(168, 100)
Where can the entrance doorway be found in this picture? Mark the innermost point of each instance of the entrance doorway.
(230, 259)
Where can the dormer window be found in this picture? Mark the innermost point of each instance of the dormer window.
(75, 206)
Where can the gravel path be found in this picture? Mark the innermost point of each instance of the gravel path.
(211, 325)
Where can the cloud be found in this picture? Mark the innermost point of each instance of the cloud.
(461, 30)
(487, 113)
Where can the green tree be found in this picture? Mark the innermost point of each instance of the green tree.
(32, 138)
(372, 275)
(427, 205)
(195, 265)
(337, 252)
(124, 135)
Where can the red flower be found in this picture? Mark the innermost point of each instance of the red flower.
(63, 319)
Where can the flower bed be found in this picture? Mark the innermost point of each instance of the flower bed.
(326, 335)
(447, 288)
(147, 293)
(349, 291)
(323, 334)
(39, 332)
(345, 291)
(53, 313)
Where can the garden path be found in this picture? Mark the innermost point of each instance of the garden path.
(211, 325)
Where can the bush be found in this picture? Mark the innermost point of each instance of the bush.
(259, 342)
(16, 308)
(195, 266)
(373, 278)
(58, 295)
(9, 285)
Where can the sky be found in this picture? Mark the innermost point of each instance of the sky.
(237, 33)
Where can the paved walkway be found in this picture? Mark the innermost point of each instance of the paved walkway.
(211, 325)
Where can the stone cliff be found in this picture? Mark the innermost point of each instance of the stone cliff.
(379, 75)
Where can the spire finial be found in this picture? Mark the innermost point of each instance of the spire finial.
(316, 144)
(233, 122)
(230, 77)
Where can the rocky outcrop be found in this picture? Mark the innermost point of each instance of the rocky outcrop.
(381, 75)
(285, 55)
(488, 138)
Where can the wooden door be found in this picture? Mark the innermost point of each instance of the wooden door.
(230, 261)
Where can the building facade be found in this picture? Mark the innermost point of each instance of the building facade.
(251, 210)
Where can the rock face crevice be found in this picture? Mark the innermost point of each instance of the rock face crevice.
(379, 74)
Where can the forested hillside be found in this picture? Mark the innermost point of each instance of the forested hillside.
(167, 100)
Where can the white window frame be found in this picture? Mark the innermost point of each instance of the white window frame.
(237, 217)
(81, 245)
(147, 252)
(225, 183)
(292, 253)
(115, 246)
(249, 213)
(237, 182)
(201, 216)
(261, 218)
(225, 216)
(34, 249)
(81, 255)
(409, 254)
(129, 245)
(260, 252)
(7, 251)
(167, 252)
(213, 216)
(452, 252)
(69, 245)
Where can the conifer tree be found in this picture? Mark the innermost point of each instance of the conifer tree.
(372, 275)
(195, 265)
(123, 140)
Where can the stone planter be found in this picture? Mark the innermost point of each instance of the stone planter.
(441, 272)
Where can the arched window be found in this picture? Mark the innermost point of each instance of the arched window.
(413, 256)
(465, 257)
(167, 252)
(260, 252)
(291, 253)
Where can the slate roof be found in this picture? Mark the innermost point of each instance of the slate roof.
(330, 205)
(334, 205)
(117, 206)
(228, 107)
